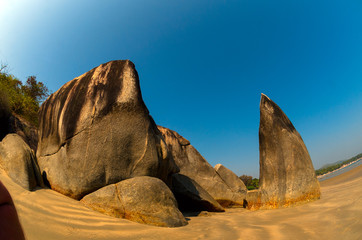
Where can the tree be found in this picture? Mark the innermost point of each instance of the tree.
(23, 100)
(250, 182)
(35, 90)
(3, 68)
(246, 179)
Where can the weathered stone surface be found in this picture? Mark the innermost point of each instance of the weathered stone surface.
(191, 196)
(18, 161)
(145, 200)
(194, 166)
(96, 130)
(287, 174)
(231, 179)
(10, 123)
(25, 130)
(252, 197)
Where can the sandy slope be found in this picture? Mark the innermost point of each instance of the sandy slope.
(46, 214)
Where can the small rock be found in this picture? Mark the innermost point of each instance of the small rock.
(19, 162)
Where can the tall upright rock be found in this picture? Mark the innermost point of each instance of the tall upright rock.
(193, 165)
(287, 174)
(96, 130)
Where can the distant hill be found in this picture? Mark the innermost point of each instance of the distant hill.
(333, 166)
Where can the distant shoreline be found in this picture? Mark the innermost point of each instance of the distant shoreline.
(343, 166)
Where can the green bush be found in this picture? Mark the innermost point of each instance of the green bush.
(250, 182)
(22, 99)
(4, 105)
(4, 114)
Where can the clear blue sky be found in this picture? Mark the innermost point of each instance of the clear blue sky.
(203, 64)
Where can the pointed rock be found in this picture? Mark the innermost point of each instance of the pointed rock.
(193, 165)
(96, 130)
(287, 174)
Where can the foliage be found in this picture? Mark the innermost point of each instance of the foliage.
(250, 182)
(4, 114)
(22, 99)
(333, 167)
(4, 105)
(246, 179)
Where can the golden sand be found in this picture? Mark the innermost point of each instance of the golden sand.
(45, 214)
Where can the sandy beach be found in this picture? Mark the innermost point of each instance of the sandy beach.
(320, 177)
(45, 214)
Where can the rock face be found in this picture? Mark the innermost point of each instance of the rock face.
(231, 179)
(96, 130)
(194, 166)
(145, 200)
(25, 130)
(287, 174)
(191, 196)
(18, 161)
(10, 123)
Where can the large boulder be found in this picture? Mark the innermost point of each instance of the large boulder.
(19, 162)
(194, 166)
(145, 200)
(96, 130)
(191, 196)
(287, 174)
(231, 179)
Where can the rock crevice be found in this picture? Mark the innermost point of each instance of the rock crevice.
(193, 165)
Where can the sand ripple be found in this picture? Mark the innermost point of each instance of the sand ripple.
(45, 214)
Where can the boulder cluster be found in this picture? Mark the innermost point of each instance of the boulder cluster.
(97, 143)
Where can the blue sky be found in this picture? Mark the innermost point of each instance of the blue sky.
(204, 64)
